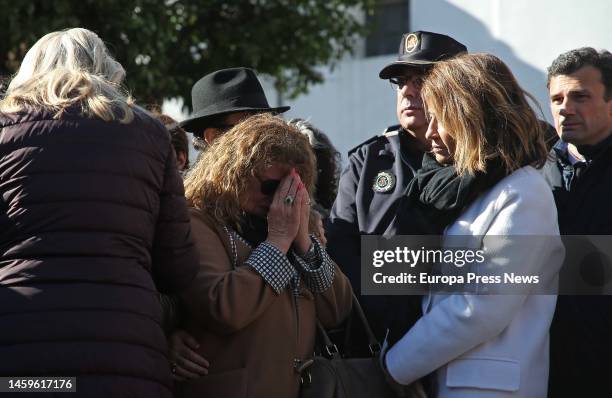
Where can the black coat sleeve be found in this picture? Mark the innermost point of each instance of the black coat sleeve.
(174, 256)
(342, 229)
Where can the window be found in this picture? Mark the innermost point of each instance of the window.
(387, 24)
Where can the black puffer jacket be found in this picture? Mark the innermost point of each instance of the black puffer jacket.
(93, 222)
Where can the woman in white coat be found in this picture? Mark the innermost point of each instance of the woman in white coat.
(481, 180)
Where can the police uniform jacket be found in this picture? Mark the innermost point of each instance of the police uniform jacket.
(376, 176)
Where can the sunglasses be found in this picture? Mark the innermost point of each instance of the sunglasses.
(398, 83)
(268, 187)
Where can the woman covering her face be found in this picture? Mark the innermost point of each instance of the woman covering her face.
(263, 279)
(481, 181)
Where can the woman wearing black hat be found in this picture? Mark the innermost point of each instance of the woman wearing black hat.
(263, 280)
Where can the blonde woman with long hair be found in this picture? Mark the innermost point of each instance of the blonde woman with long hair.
(263, 278)
(93, 222)
(481, 183)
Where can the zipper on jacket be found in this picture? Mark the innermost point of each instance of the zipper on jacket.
(295, 295)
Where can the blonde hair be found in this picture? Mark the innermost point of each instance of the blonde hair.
(217, 182)
(70, 68)
(479, 102)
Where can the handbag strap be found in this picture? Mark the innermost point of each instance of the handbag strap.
(373, 344)
(330, 348)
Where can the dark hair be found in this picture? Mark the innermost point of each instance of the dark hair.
(4, 80)
(328, 163)
(178, 136)
(569, 62)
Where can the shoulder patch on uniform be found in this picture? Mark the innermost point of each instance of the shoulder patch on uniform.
(389, 131)
(366, 142)
(392, 130)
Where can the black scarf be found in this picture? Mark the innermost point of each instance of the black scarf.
(436, 196)
(434, 199)
(253, 229)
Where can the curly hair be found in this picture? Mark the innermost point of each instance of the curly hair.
(569, 62)
(217, 182)
(328, 163)
(478, 100)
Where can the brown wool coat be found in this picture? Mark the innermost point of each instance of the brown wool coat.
(251, 335)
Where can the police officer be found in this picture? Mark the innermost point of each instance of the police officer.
(378, 172)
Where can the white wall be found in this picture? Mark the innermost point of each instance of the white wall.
(352, 105)
(526, 34)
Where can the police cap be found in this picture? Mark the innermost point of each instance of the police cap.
(420, 49)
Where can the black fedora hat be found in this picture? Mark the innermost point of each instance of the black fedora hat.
(226, 91)
(420, 49)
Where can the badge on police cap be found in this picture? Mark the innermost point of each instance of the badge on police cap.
(411, 43)
(384, 182)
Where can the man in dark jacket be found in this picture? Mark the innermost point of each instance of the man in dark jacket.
(580, 86)
(379, 170)
(221, 100)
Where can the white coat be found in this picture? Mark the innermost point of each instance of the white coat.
(492, 345)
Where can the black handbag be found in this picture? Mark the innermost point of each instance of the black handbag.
(331, 376)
